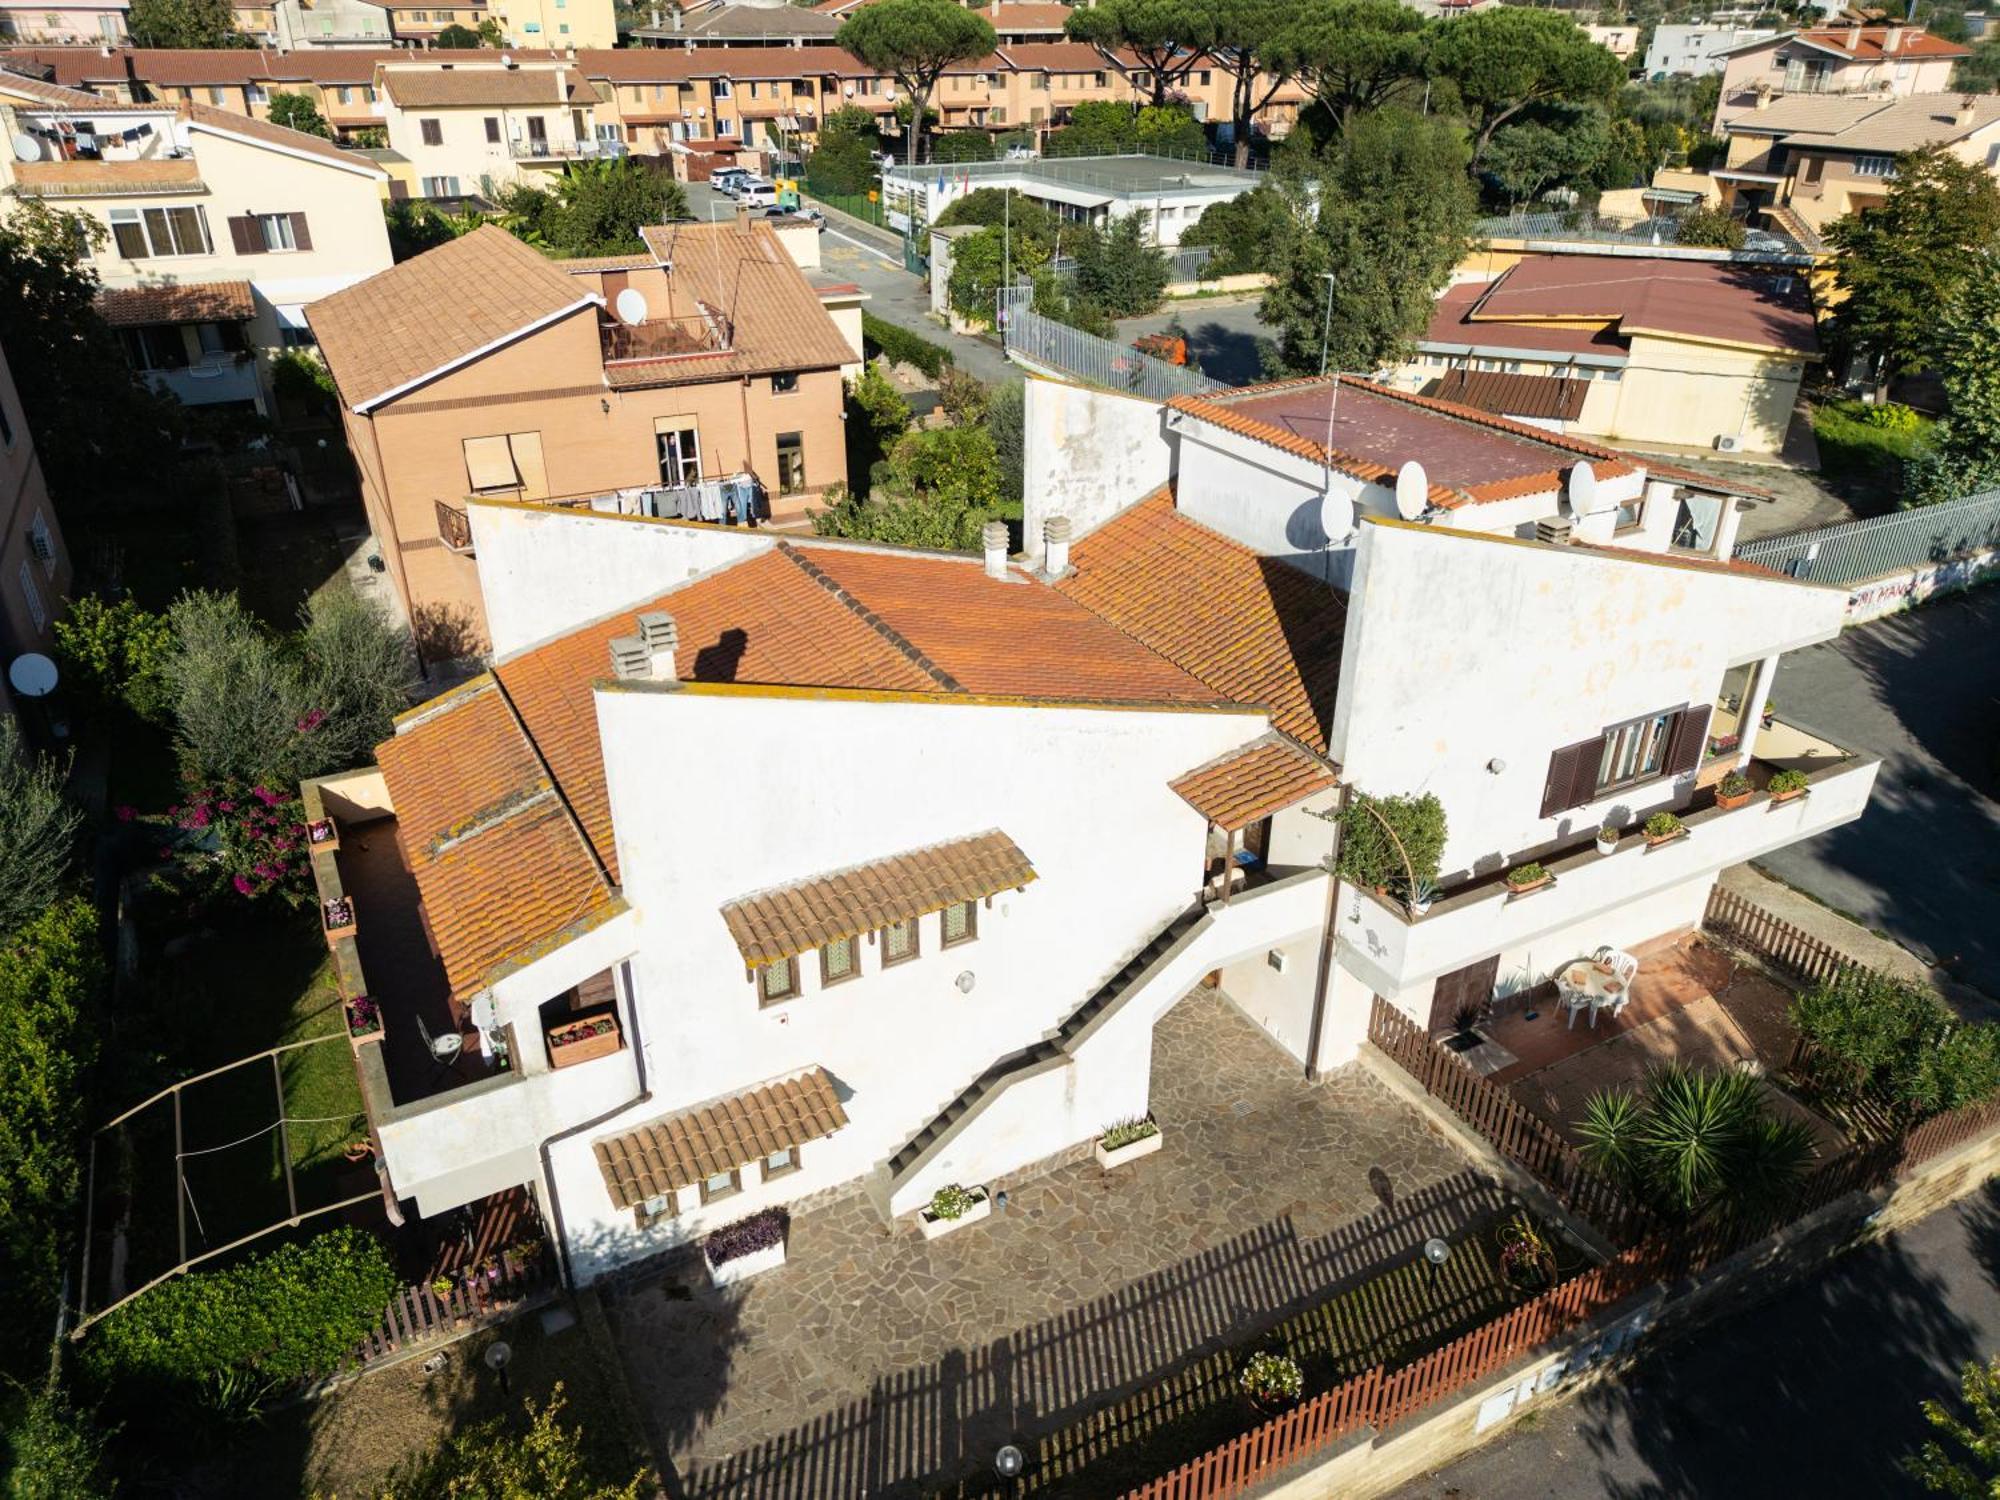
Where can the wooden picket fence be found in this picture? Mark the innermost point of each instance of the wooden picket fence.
(1773, 939)
(418, 1315)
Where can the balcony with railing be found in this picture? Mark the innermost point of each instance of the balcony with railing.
(664, 338)
(532, 150)
(454, 528)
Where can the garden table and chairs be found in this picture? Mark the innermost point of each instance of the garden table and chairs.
(1601, 982)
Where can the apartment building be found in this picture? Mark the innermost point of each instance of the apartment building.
(1697, 50)
(1811, 158)
(555, 23)
(1640, 348)
(34, 562)
(735, 23)
(945, 975)
(216, 230)
(66, 23)
(474, 128)
(704, 374)
(1888, 62)
(297, 25)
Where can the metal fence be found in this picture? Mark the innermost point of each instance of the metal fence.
(1086, 357)
(1661, 231)
(1887, 544)
(1187, 264)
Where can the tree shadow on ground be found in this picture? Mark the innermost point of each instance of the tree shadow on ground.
(1229, 355)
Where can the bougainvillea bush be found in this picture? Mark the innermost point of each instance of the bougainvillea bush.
(247, 839)
(746, 1237)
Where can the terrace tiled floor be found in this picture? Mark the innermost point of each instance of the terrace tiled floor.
(873, 1359)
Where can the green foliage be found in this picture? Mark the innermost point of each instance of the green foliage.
(1711, 226)
(90, 418)
(980, 264)
(302, 380)
(1532, 873)
(1788, 781)
(184, 23)
(1980, 72)
(488, 34)
(1663, 825)
(1168, 36)
(1119, 270)
(1503, 60)
(938, 489)
(1966, 1465)
(1561, 145)
(1273, 1377)
(877, 415)
(914, 41)
(1734, 784)
(963, 145)
(903, 347)
(1106, 128)
(952, 1202)
(543, 1459)
(1902, 263)
(56, 1452)
(1408, 848)
(1868, 447)
(1697, 1144)
(1358, 55)
(38, 829)
(1026, 222)
(232, 1339)
(1896, 1043)
(115, 652)
(51, 970)
(1963, 454)
(844, 160)
(299, 112)
(962, 397)
(1392, 216)
(597, 208)
(1127, 1132)
(416, 226)
(1006, 412)
(1251, 233)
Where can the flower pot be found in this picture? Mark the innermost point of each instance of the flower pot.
(1730, 801)
(1130, 1151)
(1654, 841)
(579, 1041)
(743, 1267)
(933, 1226)
(322, 836)
(1607, 845)
(1793, 795)
(338, 917)
(1533, 885)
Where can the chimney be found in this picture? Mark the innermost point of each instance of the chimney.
(677, 18)
(660, 635)
(1761, 100)
(743, 217)
(1055, 557)
(630, 660)
(1968, 111)
(995, 537)
(1553, 529)
(1892, 39)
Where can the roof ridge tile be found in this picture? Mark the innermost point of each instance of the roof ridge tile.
(873, 621)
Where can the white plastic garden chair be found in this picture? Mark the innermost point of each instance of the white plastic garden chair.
(1625, 968)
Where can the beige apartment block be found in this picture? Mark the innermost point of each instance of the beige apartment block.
(1884, 62)
(557, 23)
(34, 562)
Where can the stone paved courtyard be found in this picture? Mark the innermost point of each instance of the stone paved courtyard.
(874, 1358)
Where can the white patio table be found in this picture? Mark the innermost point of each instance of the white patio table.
(1585, 983)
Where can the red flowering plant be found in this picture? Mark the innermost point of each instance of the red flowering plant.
(249, 839)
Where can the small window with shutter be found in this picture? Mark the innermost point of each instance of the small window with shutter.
(1668, 743)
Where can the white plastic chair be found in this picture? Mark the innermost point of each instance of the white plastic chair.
(1625, 968)
(1572, 1000)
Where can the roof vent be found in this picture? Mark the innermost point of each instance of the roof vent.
(660, 635)
(1549, 529)
(995, 538)
(629, 658)
(1055, 538)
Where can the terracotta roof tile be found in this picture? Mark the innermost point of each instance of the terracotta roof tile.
(1253, 783)
(203, 117)
(54, 179)
(419, 87)
(807, 914)
(31, 93)
(1255, 629)
(684, 1149)
(1551, 397)
(184, 302)
(445, 304)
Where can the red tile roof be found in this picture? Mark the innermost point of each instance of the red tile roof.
(1706, 300)
(1548, 397)
(676, 1152)
(1448, 327)
(1252, 783)
(1872, 43)
(182, 302)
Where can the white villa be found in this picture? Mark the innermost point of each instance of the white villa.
(758, 871)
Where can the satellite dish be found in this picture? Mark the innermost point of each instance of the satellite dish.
(1583, 497)
(1336, 515)
(33, 675)
(27, 148)
(1413, 490)
(631, 305)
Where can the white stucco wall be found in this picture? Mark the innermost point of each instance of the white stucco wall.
(1088, 455)
(543, 571)
(1280, 1002)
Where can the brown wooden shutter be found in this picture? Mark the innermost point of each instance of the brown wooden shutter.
(246, 236)
(1689, 737)
(301, 236)
(1572, 776)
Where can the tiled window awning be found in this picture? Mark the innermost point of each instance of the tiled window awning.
(1253, 783)
(795, 919)
(186, 302)
(688, 1148)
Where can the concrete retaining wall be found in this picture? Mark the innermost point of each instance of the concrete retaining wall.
(1892, 593)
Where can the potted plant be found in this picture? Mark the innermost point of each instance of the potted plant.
(1422, 894)
(337, 912)
(1607, 839)
(1272, 1380)
(364, 1021)
(1386, 841)
(582, 1039)
(1663, 828)
(322, 836)
(1733, 790)
(441, 1286)
(1529, 877)
(1785, 785)
(1128, 1141)
(1527, 1259)
(746, 1248)
(953, 1207)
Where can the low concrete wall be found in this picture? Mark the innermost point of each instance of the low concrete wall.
(1892, 593)
(1249, 281)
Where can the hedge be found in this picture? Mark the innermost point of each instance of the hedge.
(904, 347)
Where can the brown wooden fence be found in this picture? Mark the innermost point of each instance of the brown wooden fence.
(1771, 938)
(420, 1314)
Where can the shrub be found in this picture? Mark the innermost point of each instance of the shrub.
(1127, 1132)
(302, 380)
(497, 1460)
(1273, 1377)
(746, 1237)
(952, 1202)
(57, 1452)
(37, 829)
(116, 652)
(1716, 228)
(1735, 784)
(1897, 1042)
(1663, 825)
(1374, 855)
(1006, 416)
(1788, 781)
(904, 347)
(1527, 1258)
(1532, 873)
(250, 839)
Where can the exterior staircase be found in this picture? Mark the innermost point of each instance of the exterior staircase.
(1052, 1051)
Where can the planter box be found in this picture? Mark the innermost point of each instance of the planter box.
(336, 927)
(322, 837)
(933, 1226)
(1530, 889)
(743, 1267)
(1665, 838)
(584, 1047)
(1730, 803)
(359, 1040)
(1131, 1151)
(1778, 797)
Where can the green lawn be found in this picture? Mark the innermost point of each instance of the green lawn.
(1862, 450)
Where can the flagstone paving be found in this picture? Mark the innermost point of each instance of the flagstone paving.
(874, 1357)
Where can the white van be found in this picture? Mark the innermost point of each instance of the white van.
(756, 192)
(729, 180)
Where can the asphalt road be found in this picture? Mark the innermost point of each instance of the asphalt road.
(1922, 865)
(1222, 335)
(1812, 1394)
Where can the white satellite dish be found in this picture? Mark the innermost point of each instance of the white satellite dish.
(27, 148)
(33, 675)
(631, 305)
(1413, 490)
(1583, 496)
(1336, 516)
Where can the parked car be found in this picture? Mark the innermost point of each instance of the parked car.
(803, 211)
(757, 193)
(729, 180)
(1020, 153)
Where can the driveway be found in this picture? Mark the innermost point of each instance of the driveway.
(1814, 1393)
(1222, 335)
(1922, 865)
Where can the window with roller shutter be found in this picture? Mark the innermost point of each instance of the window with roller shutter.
(1668, 743)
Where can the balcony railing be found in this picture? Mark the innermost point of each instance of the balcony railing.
(454, 527)
(665, 338)
(533, 150)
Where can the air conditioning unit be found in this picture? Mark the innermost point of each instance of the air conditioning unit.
(1552, 529)
(1727, 442)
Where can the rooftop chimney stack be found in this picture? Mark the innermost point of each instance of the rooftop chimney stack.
(630, 660)
(995, 537)
(1968, 111)
(743, 217)
(661, 637)
(1055, 536)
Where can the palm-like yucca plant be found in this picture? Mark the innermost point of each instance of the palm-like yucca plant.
(1697, 1143)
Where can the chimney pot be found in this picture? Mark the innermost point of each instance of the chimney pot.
(660, 636)
(995, 537)
(1055, 538)
(629, 658)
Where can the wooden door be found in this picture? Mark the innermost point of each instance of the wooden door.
(1469, 986)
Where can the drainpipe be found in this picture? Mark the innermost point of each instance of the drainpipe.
(644, 1096)
(1327, 943)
